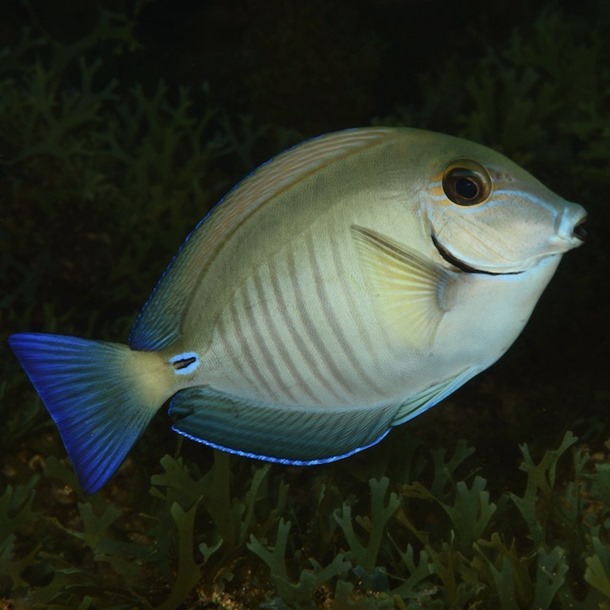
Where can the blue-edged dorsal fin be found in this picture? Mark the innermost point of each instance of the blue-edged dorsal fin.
(158, 324)
(101, 396)
(289, 435)
(413, 293)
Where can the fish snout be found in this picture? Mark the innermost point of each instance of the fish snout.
(579, 231)
(571, 227)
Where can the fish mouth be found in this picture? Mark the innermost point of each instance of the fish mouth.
(460, 264)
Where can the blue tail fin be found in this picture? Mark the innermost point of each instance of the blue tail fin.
(101, 396)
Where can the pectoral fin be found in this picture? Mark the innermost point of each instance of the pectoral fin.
(413, 294)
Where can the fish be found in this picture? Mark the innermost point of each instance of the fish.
(343, 288)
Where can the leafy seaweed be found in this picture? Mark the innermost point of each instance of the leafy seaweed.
(300, 594)
(366, 555)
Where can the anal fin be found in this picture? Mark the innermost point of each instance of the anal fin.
(289, 435)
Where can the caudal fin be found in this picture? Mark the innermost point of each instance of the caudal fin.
(101, 396)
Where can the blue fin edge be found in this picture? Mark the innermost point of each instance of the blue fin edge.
(285, 461)
(86, 389)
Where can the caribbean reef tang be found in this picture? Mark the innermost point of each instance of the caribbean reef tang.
(343, 288)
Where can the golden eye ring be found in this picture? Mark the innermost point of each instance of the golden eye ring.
(466, 183)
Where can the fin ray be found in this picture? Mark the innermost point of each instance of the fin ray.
(94, 400)
(274, 433)
(413, 293)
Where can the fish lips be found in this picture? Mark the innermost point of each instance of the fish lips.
(453, 260)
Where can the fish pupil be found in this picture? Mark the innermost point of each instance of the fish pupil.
(466, 188)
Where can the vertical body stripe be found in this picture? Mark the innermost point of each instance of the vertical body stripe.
(236, 361)
(354, 308)
(261, 337)
(243, 340)
(310, 327)
(337, 327)
(290, 324)
(275, 333)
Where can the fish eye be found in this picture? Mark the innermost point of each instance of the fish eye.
(466, 183)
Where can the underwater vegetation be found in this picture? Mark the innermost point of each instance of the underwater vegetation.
(91, 167)
(232, 536)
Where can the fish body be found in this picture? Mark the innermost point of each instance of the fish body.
(343, 288)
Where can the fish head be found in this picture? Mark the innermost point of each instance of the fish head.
(486, 214)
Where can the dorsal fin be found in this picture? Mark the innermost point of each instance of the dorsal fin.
(158, 324)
